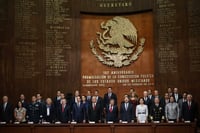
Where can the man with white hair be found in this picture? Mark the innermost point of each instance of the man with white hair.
(6, 111)
(189, 110)
(147, 101)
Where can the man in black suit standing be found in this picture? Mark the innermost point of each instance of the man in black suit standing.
(180, 103)
(89, 96)
(79, 111)
(166, 99)
(176, 95)
(64, 114)
(99, 99)
(189, 110)
(57, 99)
(6, 111)
(111, 111)
(157, 95)
(126, 111)
(94, 111)
(22, 99)
(73, 99)
(147, 101)
(49, 112)
(109, 95)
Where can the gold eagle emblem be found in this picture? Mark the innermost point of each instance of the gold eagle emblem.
(118, 43)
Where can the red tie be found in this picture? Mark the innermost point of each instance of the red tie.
(110, 108)
(63, 107)
(94, 106)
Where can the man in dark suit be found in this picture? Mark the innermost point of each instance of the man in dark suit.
(156, 95)
(6, 111)
(176, 95)
(111, 111)
(73, 99)
(22, 99)
(150, 96)
(49, 112)
(147, 101)
(94, 111)
(180, 103)
(109, 95)
(64, 113)
(126, 110)
(34, 111)
(57, 99)
(89, 96)
(189, 110)
(166, 100)
(41, 102)
(99, 99)
(79, 112)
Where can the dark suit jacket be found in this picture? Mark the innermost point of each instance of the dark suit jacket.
(25, 104)
(56, 102)
(179, 97)
(79, 113)
(127, 115)
(94, 114)
(7, 115)
(52, 115)
(86, 106)
(65, 116)
(189, 114)
(112, 115)
(107, 99)
(100, 102)
(72, 102)
(148, 103)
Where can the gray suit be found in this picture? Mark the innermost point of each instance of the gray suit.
(172, 111)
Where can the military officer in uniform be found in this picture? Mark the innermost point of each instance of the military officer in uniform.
(34, 111)
(157, 111)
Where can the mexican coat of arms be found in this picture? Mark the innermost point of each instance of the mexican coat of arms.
(118, 45)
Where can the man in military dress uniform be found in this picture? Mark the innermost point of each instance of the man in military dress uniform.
(157, 111)
(34, 111)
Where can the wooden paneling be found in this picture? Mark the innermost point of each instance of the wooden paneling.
(16, 129)
(101, 128)
(56, 129)
(39, 50)
(129, 129)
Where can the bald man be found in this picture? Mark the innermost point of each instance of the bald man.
(6, 110)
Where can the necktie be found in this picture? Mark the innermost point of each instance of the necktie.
(126, 106)
(48, 110)
(110, 109)
(63, 107)
(189, 105)
(4, 107)
(94, 106)
(109, 95)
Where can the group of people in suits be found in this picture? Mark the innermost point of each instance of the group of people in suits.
(96, 109)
